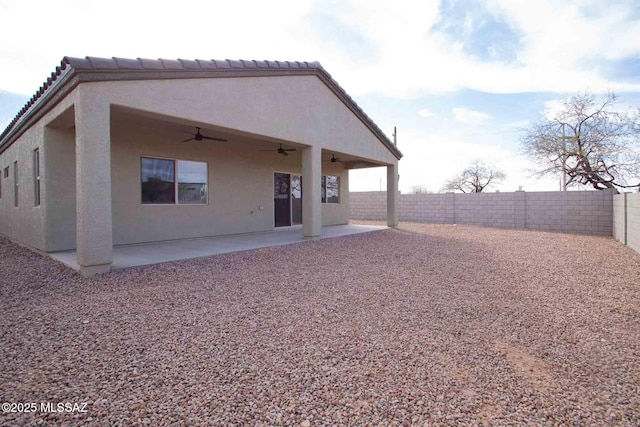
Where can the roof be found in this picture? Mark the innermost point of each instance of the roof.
(73, 71)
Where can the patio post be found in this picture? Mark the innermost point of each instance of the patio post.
(311, 184)
(392, 195)
(94, 238)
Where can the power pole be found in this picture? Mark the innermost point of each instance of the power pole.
(563, 181)
(395, 136)
(564, 161)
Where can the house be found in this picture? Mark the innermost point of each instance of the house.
(122, 151)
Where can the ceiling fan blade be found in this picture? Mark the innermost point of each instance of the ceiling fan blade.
(284, 152)
(289, 149)
(187, 140)
(213, 138)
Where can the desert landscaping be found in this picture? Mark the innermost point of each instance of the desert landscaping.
(420, 325)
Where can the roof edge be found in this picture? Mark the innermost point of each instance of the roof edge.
(73, 71)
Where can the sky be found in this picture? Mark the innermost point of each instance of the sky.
(459, 79)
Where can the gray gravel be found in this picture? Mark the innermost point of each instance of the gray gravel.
(421, 325)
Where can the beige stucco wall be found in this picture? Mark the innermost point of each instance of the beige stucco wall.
(240, 181)
(300, 109)
(24, 223)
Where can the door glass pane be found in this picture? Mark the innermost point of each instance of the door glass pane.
(333, 189)
(192, 182)
(296, 199)
(158, 180)
(281, 186)
(281, 200)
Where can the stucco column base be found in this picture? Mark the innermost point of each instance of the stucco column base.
(90, 270)
(94, 236)
(392, 195)
(311, 177)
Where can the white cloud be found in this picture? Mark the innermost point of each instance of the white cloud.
(425, 113)
(561, 49)
(470, 117)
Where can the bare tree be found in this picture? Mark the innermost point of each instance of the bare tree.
(420, 189)
(590, 141)
(475, 178)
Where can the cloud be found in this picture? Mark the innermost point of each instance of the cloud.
(470, 117)
(425, 113)
(400, 49)
(552, 47)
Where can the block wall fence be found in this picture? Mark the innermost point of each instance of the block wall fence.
(587, 212)
(626, 219)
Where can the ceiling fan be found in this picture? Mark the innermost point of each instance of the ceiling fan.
(283, 151)
(199, 137)
(334, 159)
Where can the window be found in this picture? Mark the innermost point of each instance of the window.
(15, 184)
(36, 177)
(168, 182)
(6, 175)
(330, 192)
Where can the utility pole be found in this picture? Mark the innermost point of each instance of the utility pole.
(564, 161)
(395, 136)
(563, 181)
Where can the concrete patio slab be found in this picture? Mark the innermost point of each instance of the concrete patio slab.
(153, 253)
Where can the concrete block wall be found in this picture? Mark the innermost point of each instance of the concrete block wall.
(588, 212)
(488, 209)
(368, 205)
(437, 208)
(626, 219)
(633, 221)
(620, 218)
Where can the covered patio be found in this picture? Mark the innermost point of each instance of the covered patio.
(135, 255)
(134, 151)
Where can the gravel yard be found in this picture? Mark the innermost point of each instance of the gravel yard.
(421, 325)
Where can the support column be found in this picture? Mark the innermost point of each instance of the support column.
(94, 236)
(311, 180)
(392, 195)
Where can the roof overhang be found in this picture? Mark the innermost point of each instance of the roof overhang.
(74, 71)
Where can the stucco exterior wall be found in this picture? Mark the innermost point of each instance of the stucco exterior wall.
(25, 223)
(589, 212)
(60, 181)
(240, 180)
(294, 108)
